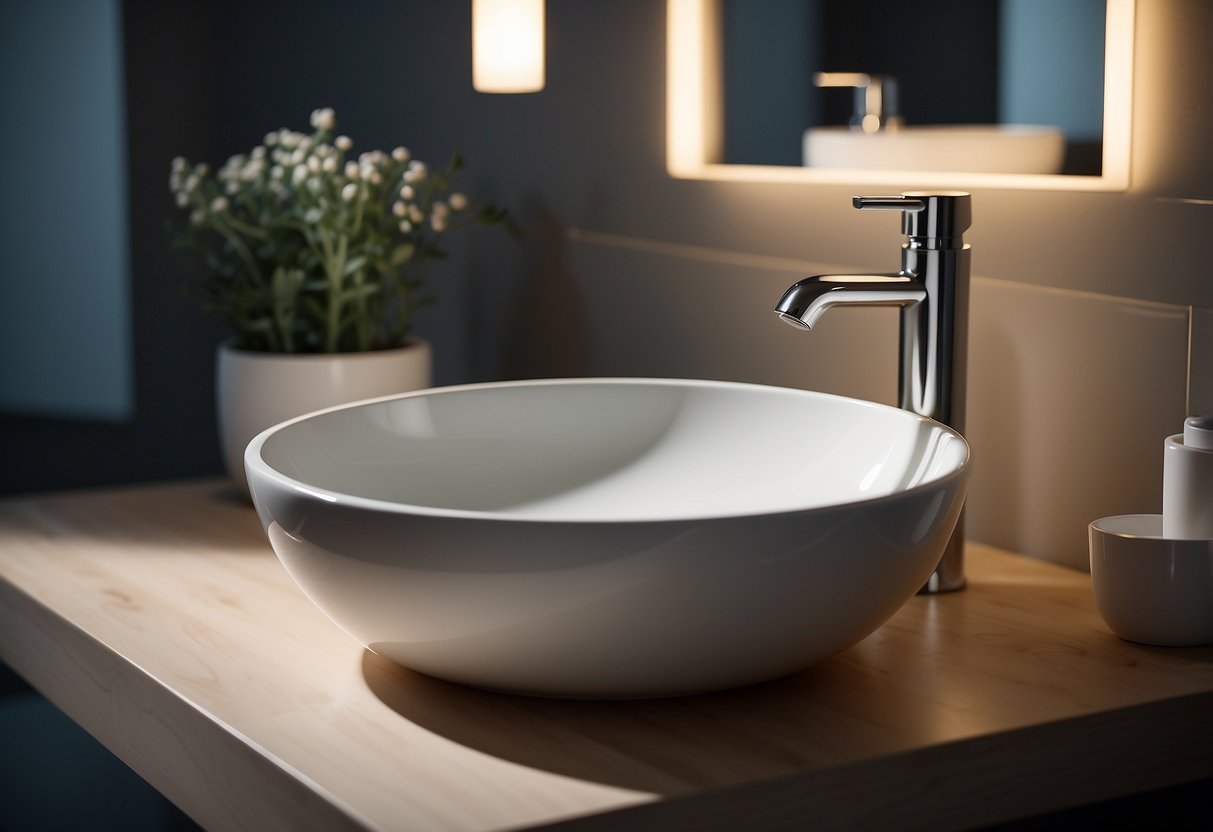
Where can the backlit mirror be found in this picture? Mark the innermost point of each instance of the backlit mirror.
(1010, 93)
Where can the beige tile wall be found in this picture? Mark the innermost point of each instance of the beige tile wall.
(1070, 397)
(1200, 377)
(1070, 393)
(708, 314)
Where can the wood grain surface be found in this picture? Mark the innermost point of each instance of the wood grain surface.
(159, 619)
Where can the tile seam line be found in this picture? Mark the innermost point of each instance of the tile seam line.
(763, 261)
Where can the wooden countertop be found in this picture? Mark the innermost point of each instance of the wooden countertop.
(159, 619)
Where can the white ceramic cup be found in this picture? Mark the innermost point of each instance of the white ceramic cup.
(1148, 588)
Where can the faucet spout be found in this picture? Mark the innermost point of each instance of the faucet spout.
(805, 302)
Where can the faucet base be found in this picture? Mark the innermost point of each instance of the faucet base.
(949, 575)
(937, 585)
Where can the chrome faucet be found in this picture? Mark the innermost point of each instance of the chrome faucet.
(875, 107)
(932, 289)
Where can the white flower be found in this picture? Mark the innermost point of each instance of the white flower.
(298, 157)
(458, 202)
(399, 209)
(375, 177)
(202, 169)
(324, 119)
(440, 209)
(415, 214)
(182, 200)
(198, 216)
(174, 181)
(271, 139)
(351, 170)
(277, 172)
(415, 173)
(179, 164)
(288, 139)
(258, 152)
(219, 204)
(313, 164)
(406, 226)
(298, 175)
(191, 182)
(315, 185)
(232, 187)
(344, 143)
(407, 192)
(349, 192)
(438, 223)
(401, 154)
(313, 216)
(329, 165)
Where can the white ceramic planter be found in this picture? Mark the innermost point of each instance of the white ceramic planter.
(255, 390)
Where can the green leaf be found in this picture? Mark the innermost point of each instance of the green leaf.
(352, 265)
(357, 292)
(492, 214)
(402, 253)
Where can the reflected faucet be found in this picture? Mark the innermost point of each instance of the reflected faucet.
(875, 99)
(932, 290)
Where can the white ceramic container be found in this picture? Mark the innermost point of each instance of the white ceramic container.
(255, 390)
(1187, 481)
(609, 537)
(1149, 588)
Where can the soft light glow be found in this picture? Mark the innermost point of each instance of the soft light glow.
(507, 45)
(693, 90)
(693, 123)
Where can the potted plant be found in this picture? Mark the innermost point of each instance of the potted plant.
(316, 261)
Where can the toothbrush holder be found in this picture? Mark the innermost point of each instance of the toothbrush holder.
(1149, 588)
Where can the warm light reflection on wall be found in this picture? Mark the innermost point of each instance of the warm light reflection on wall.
(507, 45)
(694, 129)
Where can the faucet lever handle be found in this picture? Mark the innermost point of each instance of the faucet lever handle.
(888, 203)
(936, 219)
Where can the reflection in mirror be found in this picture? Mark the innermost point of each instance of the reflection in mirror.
(948, 62)
(961, 93)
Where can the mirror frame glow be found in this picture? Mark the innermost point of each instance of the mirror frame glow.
(694, 127)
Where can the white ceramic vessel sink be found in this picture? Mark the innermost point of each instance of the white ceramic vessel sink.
(609, 537)
(960, 148)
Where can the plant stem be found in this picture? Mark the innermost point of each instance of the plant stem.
(241, 250)
(334, 265)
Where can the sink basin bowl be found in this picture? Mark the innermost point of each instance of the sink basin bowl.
(973, 148)
(609, 537)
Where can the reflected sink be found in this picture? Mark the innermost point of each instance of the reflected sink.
(609, 537)
(962, 148)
